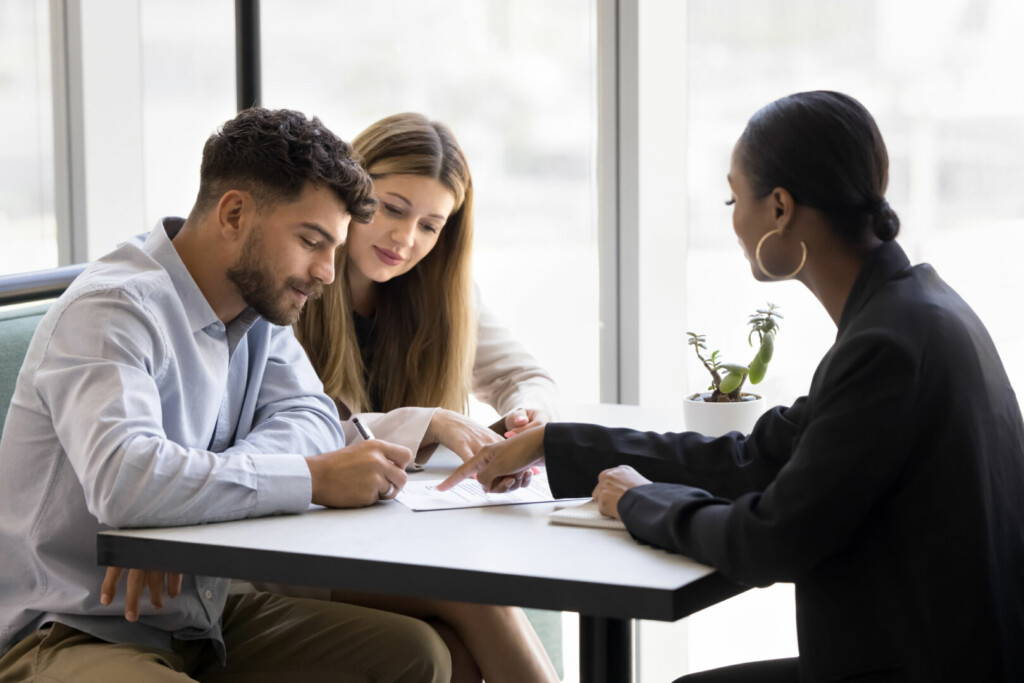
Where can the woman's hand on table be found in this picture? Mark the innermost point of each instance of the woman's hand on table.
(138, 579)
(522, 419)
(458, 433)
(502, 466)
(612, 484)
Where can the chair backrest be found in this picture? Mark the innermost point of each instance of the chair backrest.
(17, 324)
(20, 312)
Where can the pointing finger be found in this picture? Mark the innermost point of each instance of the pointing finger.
(468, 469)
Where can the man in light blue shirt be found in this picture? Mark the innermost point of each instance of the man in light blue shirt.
(166, 387)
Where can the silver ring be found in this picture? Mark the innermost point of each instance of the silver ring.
(387, 494)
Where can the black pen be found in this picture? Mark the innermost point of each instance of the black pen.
(363, 430)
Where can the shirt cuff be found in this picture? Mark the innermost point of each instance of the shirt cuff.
(284, 484)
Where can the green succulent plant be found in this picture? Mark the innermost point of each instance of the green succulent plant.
(727, 379)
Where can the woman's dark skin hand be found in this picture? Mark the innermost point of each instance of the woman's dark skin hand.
(612, 484)
(502, 466)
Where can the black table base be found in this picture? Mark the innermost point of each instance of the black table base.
(606, 650)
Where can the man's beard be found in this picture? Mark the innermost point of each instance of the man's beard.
(255, 283)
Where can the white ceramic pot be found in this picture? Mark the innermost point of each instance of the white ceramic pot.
(715, 419)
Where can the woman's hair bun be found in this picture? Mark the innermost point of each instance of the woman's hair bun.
(884, 221)
(826, 149)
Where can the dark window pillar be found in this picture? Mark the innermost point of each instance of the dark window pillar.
(247, 53)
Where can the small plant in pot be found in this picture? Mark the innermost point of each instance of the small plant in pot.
(725, 407)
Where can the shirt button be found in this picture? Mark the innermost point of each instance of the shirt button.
(208, 595)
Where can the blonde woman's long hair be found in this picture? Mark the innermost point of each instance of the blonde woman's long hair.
(424, 336)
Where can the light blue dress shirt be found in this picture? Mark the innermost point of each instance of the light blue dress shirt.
(136, 406)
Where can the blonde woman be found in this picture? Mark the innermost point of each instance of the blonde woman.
(400, 335)
(401, 339)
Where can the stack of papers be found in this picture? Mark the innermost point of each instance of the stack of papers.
(422, 494)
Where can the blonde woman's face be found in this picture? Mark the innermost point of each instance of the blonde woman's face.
(411, 213)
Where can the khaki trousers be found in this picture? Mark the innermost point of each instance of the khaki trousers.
(268, 638)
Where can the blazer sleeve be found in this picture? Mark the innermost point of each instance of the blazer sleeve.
(505, 375)
(849, 455)
(730, 465)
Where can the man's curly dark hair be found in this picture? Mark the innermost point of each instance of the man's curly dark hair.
(274, 154)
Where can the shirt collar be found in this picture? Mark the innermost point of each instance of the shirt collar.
(883, 264)
(197, 308)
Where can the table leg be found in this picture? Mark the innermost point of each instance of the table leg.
(606, 652)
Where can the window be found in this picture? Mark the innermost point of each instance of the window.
(938, 82)
(515, 81)
(188, 89)
(27, 220)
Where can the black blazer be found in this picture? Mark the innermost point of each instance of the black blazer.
(891, 495)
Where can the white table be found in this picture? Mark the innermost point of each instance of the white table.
(503, 555)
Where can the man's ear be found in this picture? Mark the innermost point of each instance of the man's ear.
(783, 207)
(234, 214)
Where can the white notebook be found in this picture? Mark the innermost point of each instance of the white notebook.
(584, 513)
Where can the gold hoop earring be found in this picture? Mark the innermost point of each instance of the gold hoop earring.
(760, 263)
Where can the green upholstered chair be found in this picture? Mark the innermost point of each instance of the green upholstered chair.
(549, 628)
(17, 323)
(22, 306)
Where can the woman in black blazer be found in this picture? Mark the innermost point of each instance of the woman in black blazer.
(892, 494)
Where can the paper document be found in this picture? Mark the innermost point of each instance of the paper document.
(422, 494)
(584, 514)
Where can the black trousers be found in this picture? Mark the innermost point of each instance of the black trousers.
(768, 671)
